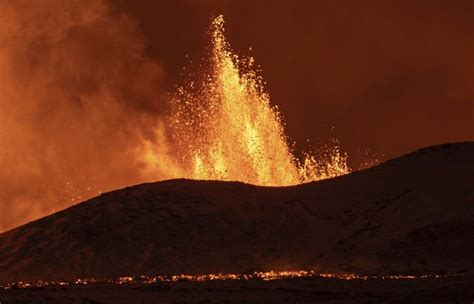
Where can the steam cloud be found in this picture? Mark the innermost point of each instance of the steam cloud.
(76, 95)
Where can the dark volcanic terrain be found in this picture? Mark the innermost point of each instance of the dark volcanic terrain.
(411, 215)
(301, 290)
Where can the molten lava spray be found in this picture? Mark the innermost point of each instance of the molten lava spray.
(82, 112)
(224, 128)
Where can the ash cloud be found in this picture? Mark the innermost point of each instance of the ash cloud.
(77, 94)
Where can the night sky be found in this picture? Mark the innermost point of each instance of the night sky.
(388, 76)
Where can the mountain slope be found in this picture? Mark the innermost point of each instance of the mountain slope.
(411, 214)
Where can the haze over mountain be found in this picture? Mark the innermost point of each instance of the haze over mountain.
(413, 214)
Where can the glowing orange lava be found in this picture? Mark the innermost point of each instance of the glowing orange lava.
(265, 276)
(224, 128)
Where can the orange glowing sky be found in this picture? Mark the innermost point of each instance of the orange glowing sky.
(83, 83)
(389, 76)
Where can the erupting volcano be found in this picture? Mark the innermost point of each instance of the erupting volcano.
(127, 177)
(224, 128)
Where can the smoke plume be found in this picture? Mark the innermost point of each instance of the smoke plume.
(77, 94)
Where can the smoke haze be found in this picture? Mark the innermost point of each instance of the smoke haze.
(75, 93)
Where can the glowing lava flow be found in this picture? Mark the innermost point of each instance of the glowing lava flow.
(265, 276)
(224, 128)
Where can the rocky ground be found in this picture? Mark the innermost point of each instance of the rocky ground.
(410, 215)
(299, 290)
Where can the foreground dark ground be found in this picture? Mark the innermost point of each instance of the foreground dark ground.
(410, 215)
(413, 214)
(298, 290)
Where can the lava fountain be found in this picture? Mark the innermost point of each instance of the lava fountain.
(224, 128)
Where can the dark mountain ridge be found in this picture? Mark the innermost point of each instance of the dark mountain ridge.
(413, 214)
